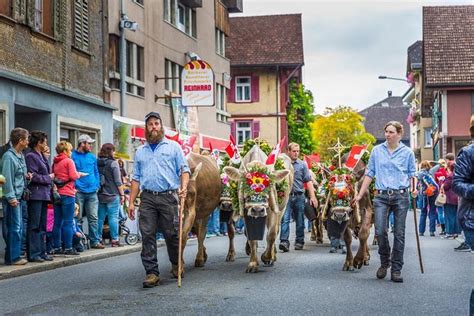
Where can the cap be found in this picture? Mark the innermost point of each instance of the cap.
(85, 138)
(152, 114)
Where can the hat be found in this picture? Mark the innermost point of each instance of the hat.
(85, 138)
(152, 114)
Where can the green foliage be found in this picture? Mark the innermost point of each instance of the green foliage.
(300, 116)
(341, 122)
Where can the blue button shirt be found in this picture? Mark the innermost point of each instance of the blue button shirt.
(301, 176)
(391, 170)
(160, 169)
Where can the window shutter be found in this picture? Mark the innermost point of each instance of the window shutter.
(19, 11)
(233, 129)
(231, 91)
(255, 129)
(255, 89)
(30, 13)
(81, 24)
(57, 19)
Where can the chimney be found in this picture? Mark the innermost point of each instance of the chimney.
(389, 92)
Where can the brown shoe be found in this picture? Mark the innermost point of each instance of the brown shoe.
(382, 272)
(151, 280)
(115, 243)
(20, 262)
(396, 277)
(174, 271)
(98, 246)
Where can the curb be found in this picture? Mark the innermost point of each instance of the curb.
(59, 262)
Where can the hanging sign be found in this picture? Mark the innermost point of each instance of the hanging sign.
(197, 84)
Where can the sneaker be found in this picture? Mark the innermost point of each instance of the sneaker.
(432, 234)
(298, 246)
(47, 258)
(98, 246)
(381, 272)
(208, 235)
(343, 250)
(151, 280)
(421, 234)
(396, 277)
(115, 243)
(442, 233)
(37, 260)
(71, 252)
(463, 247)
(333, 250)
(20, 262)
(57, 251)
(284, 246)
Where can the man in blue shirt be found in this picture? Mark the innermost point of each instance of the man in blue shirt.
(87, 187)
(161, 172)
(393, 165)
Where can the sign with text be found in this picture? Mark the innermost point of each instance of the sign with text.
(197, 84)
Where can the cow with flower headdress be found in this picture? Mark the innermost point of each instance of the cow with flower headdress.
(259, 201)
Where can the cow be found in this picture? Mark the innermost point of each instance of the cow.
(319, 181)
(204, 190)
(346, 220)
(228, 213)
(261, 203)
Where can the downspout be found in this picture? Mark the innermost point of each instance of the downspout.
(277, 107)
(123, 62)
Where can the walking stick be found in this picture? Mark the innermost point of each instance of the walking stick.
(413, 205)
(180, 237)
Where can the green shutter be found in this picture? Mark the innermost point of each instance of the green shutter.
(19, 11)
(57, 19)
(30, 13)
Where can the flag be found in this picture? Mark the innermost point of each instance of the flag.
(187, 144)
(233, 151)
(275, 152)
(174, 137)
(356, 153)
(215, 154)
(311, 160)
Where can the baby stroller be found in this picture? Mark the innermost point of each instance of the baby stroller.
(129, 237)
(80, 240)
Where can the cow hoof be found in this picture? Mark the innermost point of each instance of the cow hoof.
(252, 269)
(313, 238)
(319, 241)
(268, 264)
(358, 263)
(230, 258)
(199, 263)
(348, 268)
(366, 262)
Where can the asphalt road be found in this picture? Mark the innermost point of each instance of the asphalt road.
(301, 282)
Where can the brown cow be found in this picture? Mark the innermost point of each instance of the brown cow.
(204, 190)
(260, 205)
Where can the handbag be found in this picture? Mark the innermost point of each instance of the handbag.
(441, 198)
(56, 197)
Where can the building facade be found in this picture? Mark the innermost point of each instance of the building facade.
(263, 65)
(171, 33)
(52, 69)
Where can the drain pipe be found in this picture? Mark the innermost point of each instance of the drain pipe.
(123, 61)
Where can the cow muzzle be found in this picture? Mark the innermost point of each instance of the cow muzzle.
(225, 204)
(340, 213)
(257, 210)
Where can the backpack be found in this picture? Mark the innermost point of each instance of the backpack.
(102, 168)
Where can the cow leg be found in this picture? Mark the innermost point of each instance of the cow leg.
(270, 252)
(201, 256)
(231, 233)
(319, 230)
(348, 265)
(361, 256)
(252, 267)
(313, 230)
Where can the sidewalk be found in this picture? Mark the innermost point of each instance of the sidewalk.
(7, 272)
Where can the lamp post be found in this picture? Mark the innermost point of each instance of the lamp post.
(392, 78)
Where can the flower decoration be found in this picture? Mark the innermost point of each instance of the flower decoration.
(258, 181)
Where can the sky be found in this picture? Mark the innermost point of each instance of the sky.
(348, 44)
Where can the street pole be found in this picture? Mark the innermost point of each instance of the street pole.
(123, 62)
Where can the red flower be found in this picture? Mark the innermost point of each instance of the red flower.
(258, 189)
(266, 183)
(331, 167)
(249, 181)
(340, 195)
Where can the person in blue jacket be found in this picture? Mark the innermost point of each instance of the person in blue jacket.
(87, 186)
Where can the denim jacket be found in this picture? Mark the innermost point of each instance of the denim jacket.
(14, 171)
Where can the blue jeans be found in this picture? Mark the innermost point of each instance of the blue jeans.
(12, 231)
(452, 225)
(429, 209)
(24, 226)
(398, 204)
(441, 218)
(89, 204)
(296, 206)
(469, 236)
(36, 246)
(213, 223)
(111, 210)
(64, 222)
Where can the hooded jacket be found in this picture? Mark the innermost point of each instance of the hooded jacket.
(463, 186)
(65, 170)
(87, 163)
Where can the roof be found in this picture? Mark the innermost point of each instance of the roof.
(265, 40)
(448, 45)
(415, 54)
(389, 109)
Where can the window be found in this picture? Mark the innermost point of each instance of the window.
(72, 133)
(43, 18)
(221, 115)
(181, 16)
(6, 8)
(428, 138)
(135, 69)
(220, 42)
(242, 89)
(243, 131)
(140, 2)
(172, 78)
(81, 24)
(3, 130)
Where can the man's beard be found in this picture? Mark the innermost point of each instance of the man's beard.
(154, 137)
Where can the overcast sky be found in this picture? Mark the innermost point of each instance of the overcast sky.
(348, 44)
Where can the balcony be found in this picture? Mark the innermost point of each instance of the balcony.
(234, 6)
(192, 3)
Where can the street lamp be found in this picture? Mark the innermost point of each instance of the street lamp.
(392, 78)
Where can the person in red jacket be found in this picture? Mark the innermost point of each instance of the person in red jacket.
(440, 177)
(64, 176)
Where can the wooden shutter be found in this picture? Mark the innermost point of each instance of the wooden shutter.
(57, 19)
(255, 129)
(6, 7)
(233, 129)
(81, 24)
(48, 17)
(255, 89)
(19, 10)
(231, 91)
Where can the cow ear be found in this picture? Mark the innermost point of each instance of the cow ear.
(232, 173)
(280, 175)
(196, 171)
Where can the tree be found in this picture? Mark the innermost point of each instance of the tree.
(341, 122)
(300, 116)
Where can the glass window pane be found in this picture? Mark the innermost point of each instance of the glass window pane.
(247, 93)
(239, 93)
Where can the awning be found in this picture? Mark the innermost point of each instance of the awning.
(128, 121)
(215, 142)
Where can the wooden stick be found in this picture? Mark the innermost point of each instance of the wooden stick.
(180, 239)
(413, 205)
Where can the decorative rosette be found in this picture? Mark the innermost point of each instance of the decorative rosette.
(258, 181)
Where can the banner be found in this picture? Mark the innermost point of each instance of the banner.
(197, 84)
(122, 140)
